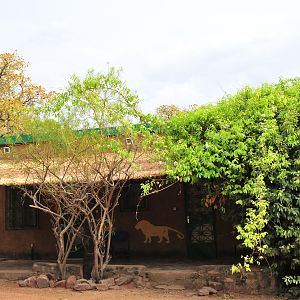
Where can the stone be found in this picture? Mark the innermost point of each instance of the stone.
(123, 279)
(130, 285)
(139, 281)
(114, 287)
(199, 282)
(205, 291)
(51, 283)
(71, 282)
(176, 287)
(191, 294)
(31, 282)
(148, 285)
(80, 287)
(109, 281)
(22, 283)
(93, 286)
(50, 276)
(60, 284)
(229, 284)
(215, 285)
(52, 268)
(102, 287)
(82, 280)
(161, 287)
(42, 281)
(213, 273)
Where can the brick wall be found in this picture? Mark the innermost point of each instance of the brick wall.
(17, 243)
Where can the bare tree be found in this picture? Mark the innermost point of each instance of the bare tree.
(80, 172)
(59, 194)
(110, 173)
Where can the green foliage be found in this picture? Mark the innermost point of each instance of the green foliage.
(249, 145)
(87, 114)
(253, 234)
(289, 280)
(98, 100)
(153, 185)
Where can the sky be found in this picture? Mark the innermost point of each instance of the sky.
(180, 52)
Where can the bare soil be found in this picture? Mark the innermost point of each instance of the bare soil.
(9, 290)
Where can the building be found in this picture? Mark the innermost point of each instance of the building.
(171, 223)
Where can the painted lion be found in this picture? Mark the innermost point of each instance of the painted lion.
(162, 232)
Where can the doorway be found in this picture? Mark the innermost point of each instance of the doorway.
(201, 238)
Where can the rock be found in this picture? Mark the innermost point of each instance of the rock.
(71, 282)
(139, 281)
(82, 287)
(130, 285)
(42, 281)
(102, 287)
(199, 282)
(109, 281)
(82, 280)
(50, 276)
(229, 284)
(22, 283)
(213, 273)
(176, 287)
(191, 294)
(93, 286)
(148, 285)
(115, 287)
(60, 284)
(31, 282)
(205, 291)
(161, 287)
(216, 285)
(228, 280)
(124, 279)
(51, 283)
(170, 287)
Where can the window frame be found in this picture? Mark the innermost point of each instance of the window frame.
(8, 202)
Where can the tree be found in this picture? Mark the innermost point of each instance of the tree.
(168, 111)
(248, 146)
(17, 93)
(81, 170)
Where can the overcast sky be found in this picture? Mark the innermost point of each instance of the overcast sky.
(171, 51)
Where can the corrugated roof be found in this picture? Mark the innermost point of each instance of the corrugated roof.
(16, 139)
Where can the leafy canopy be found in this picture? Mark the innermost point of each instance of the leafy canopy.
(17, 93)
(249, 145)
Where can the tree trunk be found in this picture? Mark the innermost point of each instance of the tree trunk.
(61, 261)
(95, 271)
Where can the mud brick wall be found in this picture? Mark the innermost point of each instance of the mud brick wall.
(166, 208)
(17, 242)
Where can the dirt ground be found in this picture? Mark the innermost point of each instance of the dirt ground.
(9, 290)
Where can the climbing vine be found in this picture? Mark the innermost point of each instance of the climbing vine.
(248, 145)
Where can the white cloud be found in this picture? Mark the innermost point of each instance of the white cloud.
(172, 51)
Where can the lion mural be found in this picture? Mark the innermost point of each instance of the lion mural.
(162, 232)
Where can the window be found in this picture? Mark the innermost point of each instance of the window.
(19, 214)
(131, 197)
